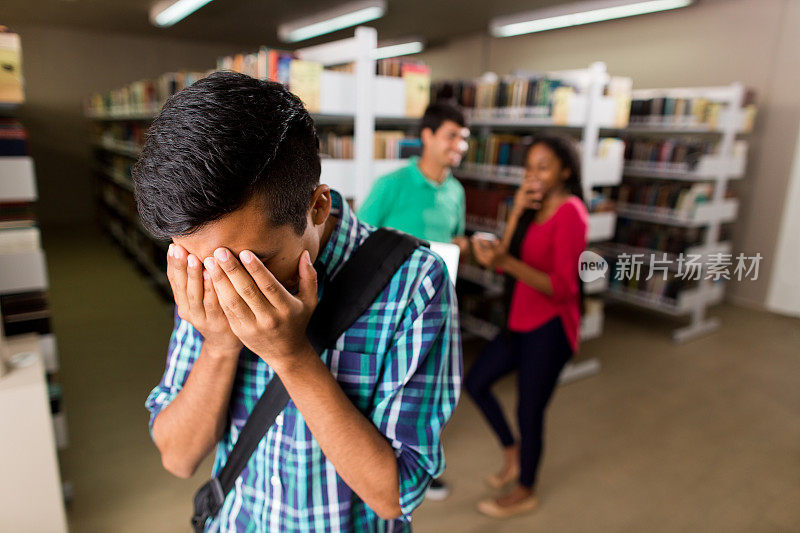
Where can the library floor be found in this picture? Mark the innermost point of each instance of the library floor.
(703, 436)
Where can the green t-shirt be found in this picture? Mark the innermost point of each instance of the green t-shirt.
(408, 201)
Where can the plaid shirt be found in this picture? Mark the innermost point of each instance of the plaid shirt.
(400, 364)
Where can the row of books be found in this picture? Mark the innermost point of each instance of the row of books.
(387, 145)
(679, 196)
(142, 96)
(497, 149)
(394, 67)
(493, 92)
(677, 150)
(13, 138)
(657, 287)
(688, 111)
(130, 132)
(487, 204)
(669, 239)
(274, 65)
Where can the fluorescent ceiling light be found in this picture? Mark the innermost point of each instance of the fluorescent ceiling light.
(331, 20)
(398, 49)
(167, 13)
(577, 14)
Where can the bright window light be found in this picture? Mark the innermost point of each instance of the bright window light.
(166, 14)
(332, 20)
(400, 49)
(577, 14)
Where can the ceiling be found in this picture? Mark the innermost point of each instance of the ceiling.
(254, 22)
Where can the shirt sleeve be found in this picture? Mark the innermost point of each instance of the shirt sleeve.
(184, 347)
(374, 209)
(570, 241)
(421, 383)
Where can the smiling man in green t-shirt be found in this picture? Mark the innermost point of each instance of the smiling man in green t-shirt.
(423, 198)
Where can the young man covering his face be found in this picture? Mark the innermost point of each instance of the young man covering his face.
(230, 172)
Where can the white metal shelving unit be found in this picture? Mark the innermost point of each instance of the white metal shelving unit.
(718, 168)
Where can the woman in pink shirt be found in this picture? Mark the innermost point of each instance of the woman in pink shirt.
(545, 235)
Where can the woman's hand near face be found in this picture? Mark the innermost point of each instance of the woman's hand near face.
(528, 196)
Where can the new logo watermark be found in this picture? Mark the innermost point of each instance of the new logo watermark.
(591, 266)
(715, 267)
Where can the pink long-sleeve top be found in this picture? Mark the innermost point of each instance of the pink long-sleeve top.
(554, 247)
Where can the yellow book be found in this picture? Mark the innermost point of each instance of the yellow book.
(11, 90)
(305, 81)
(418, 89)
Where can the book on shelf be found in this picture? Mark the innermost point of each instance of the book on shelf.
(11, 83)
(305, 81)
(417, 78)
(13, 138)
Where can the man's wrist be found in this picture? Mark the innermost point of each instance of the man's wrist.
(221, 352)
(296, 361)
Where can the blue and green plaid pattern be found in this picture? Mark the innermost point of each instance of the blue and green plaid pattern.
(400, 364)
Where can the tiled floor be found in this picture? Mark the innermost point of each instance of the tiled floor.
(703, 436)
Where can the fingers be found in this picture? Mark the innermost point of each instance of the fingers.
(308, 281)
(213, 309)
(177, 276)
(232, 303)
(194, 284)
(269, 287)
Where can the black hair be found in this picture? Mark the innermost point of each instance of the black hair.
(437, 113)
(566, 151)
(216, 144)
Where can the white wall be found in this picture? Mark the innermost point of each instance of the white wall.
(714, 42)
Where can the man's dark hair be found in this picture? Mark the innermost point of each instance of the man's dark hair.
(437, 113)
(217, 143)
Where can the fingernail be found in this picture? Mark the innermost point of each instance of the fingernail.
(193, 262)
(308, 258)
(169, 252)
(221, 254)
(209, 263)
(246, 256)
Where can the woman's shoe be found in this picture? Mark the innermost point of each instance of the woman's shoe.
(491, 508)
(497, 481)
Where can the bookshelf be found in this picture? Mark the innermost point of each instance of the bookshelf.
(350, 103)
(578, 102)
(683, 147)
(32, 419)
(24, 306)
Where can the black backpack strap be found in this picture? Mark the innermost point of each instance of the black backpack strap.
(348, 295)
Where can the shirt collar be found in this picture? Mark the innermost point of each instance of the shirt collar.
(419, 176)
(343, 240)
